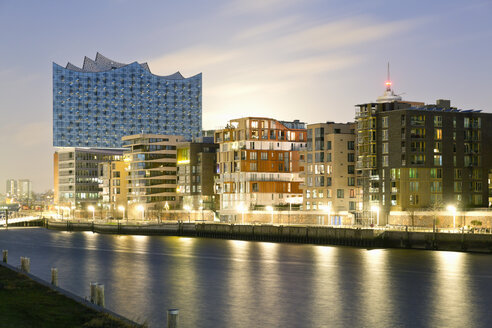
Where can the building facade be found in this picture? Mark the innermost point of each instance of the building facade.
(330, 181)
(98, 104)
(258, 163)
(113, 180)
(152, 171)
(196, 170)
(77, 183)
(415, 156)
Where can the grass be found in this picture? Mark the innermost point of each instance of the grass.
(25, 303)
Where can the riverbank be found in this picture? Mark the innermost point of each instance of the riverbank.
(358, 237)
(28, 303)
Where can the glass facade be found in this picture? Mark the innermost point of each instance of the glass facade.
(98, 104)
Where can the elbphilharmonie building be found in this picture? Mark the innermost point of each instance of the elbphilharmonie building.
(96, 105)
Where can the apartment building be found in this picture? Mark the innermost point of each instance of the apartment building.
(329, 171)
(113, 179)
(416, 156)
(152, 171)
(196, 170)
(259, 163)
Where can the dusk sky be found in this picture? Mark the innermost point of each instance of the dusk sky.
(311, 60)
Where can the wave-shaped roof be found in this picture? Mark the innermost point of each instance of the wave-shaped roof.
(102, 63)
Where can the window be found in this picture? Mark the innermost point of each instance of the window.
(351, 145)
(384, 122)
(436, 173)
(438, 134)
(328, 145)
(264, 156)
(458, 186)
(328, 157)
(384, 135)
(417, 159)
(253, 167)
(414, 186)
(351, 169)
(457, 173)
(436, 186)
(437, 160)
(413, 173)
(385, 160)
(351, 181)
(437, 147)
(339, 193)
(417, 146)
(417, 120)
(350, 157)
(254, 187)
(385, 148)
(253, 156)
(437, 121)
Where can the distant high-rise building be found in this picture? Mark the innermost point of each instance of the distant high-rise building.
(11, 189)
(25, 189)
(98, 104)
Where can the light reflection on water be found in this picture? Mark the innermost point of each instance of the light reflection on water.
(226, 283)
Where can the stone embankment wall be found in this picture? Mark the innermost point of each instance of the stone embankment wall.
(298, 234)
(442, 219)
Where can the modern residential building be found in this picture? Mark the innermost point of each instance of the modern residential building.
(77, 176)
(152, 172)
(98, 104)
(415, 156)
(113, 179)
(329, 170)
(196, 175)
(11, 188)
(258, 163)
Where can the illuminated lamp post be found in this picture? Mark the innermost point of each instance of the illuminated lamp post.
(375, 208)
(452, 209)
(241, 208)
(92, 209)
(121, 208)
(188, 209)
(141, 209)
(270, 209)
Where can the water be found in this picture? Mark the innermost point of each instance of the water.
(226, 283)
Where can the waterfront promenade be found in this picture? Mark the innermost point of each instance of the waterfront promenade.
(387, 237)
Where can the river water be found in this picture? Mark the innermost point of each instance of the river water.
(227, 283)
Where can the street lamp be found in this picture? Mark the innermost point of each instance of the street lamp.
(270, 208)
(327, 209)
(121, 208)
(375, 208)
(188, 209)
(140, 208)
(241, 208)
(91, 208)
(452, 209)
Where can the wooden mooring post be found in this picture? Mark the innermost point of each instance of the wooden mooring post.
(172, 318)
(5, 255)
(93, 286)
(25, 264)
(100, 295)
(54, 277)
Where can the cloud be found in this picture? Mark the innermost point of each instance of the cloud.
(268, 66)
(238, 7)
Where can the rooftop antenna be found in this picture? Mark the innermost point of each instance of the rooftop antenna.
(388, 81)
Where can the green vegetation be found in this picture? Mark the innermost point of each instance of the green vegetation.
(476, 223)
(25, 303)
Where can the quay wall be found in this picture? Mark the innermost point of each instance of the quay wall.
(358, 237)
